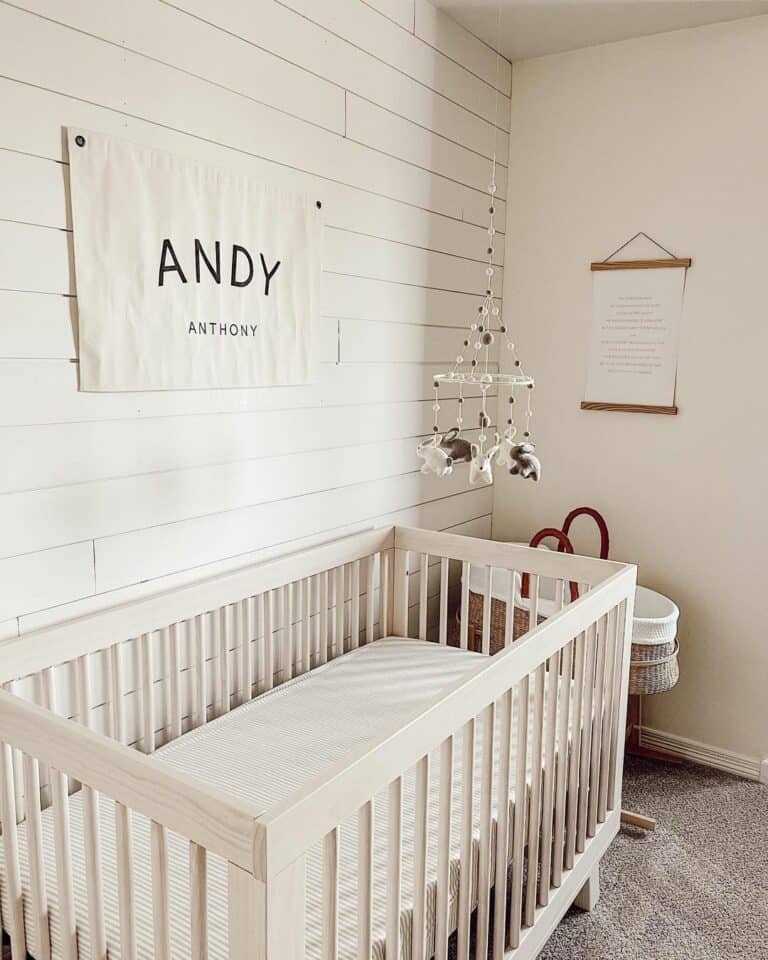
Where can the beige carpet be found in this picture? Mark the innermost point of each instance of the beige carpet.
(696, 889)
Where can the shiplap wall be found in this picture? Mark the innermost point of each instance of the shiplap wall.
(387, 112)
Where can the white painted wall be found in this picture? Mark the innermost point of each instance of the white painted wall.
(386, 111)
(662, 134)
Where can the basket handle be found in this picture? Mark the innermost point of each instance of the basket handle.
(564, 545)
(601, 525)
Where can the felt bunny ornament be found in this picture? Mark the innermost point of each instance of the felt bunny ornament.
(522, 460)
(480, 473)
(436, 460)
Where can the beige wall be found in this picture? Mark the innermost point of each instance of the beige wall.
(665, 134)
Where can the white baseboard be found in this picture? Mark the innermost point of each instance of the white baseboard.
(751, 768)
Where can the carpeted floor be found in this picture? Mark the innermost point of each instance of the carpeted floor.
(695, 889)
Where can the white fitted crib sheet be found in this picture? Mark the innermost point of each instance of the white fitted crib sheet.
(263, 752)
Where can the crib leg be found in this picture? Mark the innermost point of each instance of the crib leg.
(589, 894)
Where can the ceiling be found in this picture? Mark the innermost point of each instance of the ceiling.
(533, 28)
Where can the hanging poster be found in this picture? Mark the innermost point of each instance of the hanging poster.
(636, 312)
(188, 276)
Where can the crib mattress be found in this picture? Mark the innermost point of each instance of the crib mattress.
(263, 752)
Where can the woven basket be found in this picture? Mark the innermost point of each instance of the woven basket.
(498, 623)
(653, 667)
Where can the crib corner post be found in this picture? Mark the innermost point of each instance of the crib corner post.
(399, 619)
(266, 917)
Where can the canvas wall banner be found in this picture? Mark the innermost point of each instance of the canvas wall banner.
(188, 276)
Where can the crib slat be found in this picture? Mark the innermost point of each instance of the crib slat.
(223, 621)
(201, 692)
(486, 800)
(370, 587)
(534, 811)
(160, 897)
(573, 762)
(61, 835)
(423, 590)
(16, 764)
(324, 602)
(306, 625)
(198, 894)
(467, 839)
(442, 907)
(331, 895)
(548, 796)
(566, 670)
(125, 882)
(509, 619)
(247, 616)
(464, 613)
(394, 866)
(38, 888)
(597, 728)
(610, 662)
(365, 881)
(92, 838)
(518, 837)
(586, 739)
(548, 789)
(287, 646)
(117, 692)
(616, 720)
(340, 596)
(384, 594)
(269, 649)
(503, 786)
(443, 633)
(355, 614)
(420, 841)
(14, 891)
(175, 678)
(63, 846)
(147, 694)
(487, 598)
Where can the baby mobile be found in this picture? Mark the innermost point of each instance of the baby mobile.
(442, 451)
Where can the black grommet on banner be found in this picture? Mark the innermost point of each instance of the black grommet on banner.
(80, 140)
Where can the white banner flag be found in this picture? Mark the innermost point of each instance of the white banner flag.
(188, 276)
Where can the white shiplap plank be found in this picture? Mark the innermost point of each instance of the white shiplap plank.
(160, 31)
(130, 82)
(338, 58)
(401, 11)
(39, 519)
(33, 392)
(52, 455)
(34, 189)
(385, 131)
(443, 33)
(362, 26)
(37, 325)
(361, 342)
(37, 580)
(156, 551)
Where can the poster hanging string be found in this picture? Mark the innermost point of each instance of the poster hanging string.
(640, 233)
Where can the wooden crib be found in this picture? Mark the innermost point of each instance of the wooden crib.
(476, 799)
